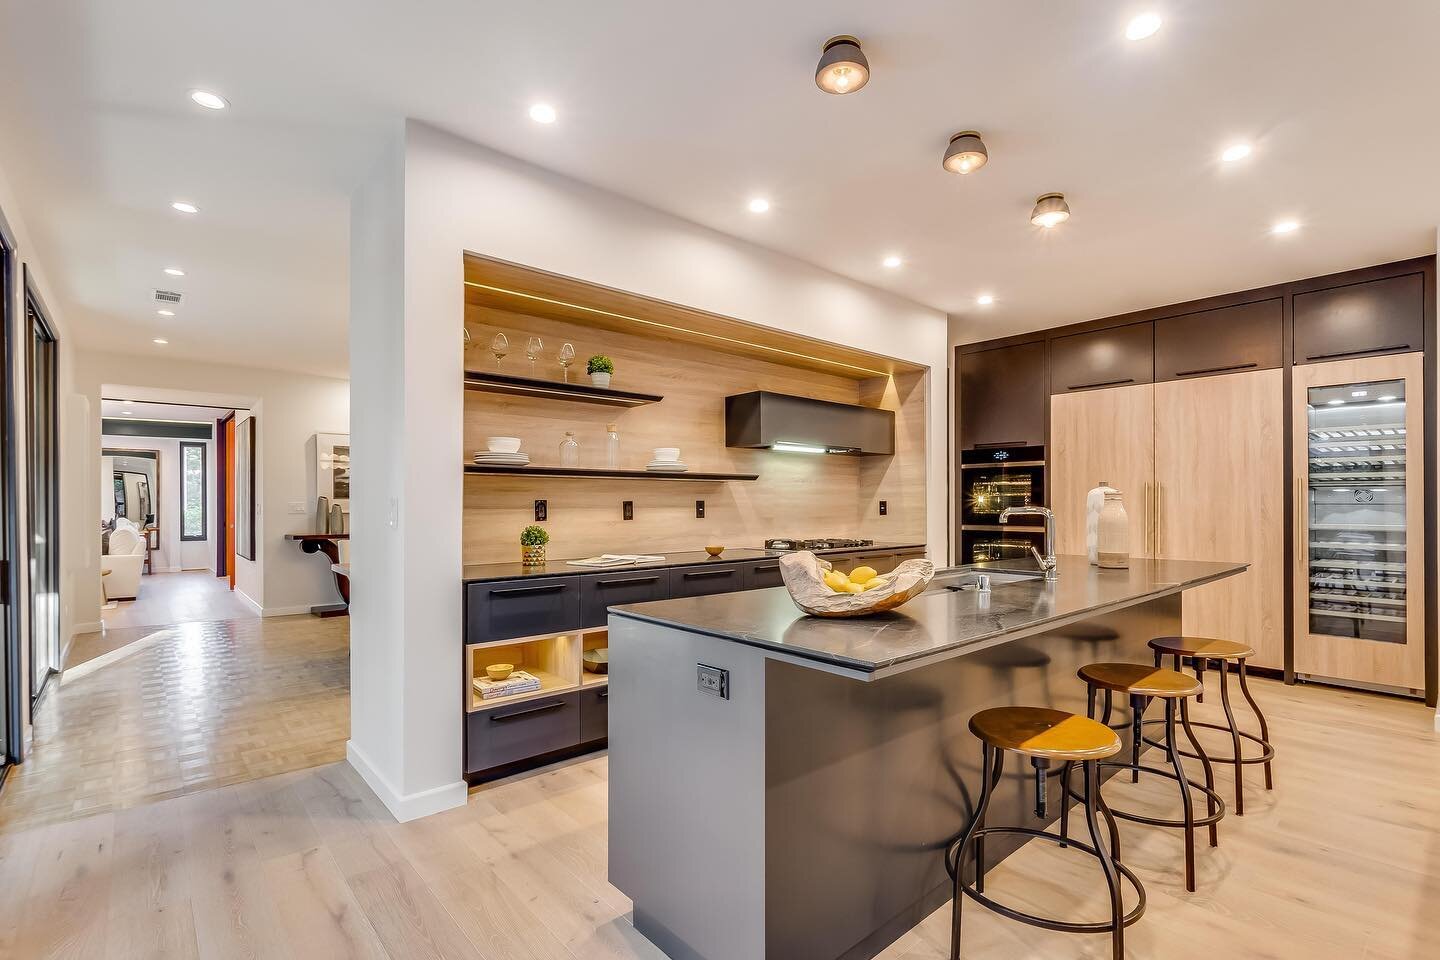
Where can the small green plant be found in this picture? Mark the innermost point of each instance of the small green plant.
(600, 364)
(534, 536)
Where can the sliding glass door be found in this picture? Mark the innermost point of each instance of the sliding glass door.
(44, 498)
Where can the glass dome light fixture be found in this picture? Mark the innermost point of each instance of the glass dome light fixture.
(842, 68)
(966, 153)
(1051, 210)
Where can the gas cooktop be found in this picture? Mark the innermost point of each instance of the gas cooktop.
(822, 543)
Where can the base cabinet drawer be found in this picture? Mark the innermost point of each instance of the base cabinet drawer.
(505, 609)
(594, 714)
(881, 561)
(499, 735)
(600, 591)
(759, 574)
(903, 555)
(701, 581)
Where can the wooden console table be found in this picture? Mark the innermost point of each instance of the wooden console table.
(329, 545)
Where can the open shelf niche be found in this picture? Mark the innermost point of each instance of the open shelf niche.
(555, 660)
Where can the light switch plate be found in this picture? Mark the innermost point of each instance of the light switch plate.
(627, 509)
(297, 507)
(712, 680)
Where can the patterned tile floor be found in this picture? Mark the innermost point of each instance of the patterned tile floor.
(147, 713)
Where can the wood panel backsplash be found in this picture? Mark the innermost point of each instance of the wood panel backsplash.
(798, 494)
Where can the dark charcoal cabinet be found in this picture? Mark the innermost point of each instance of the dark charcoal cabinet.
(1002, 397)
(505, 609)
(883, 561)
(601, 590)
(1249, 336)
(1103, 358)
(594, 714)
(903, 555)
(1378, 316)
(761, 573)
(711, 578)
(500, 735)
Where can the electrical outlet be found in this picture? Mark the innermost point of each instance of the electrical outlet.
(627, 510)
(884, 508)
(298, 508)
(542, 510)
(700, 509)
(712, 680)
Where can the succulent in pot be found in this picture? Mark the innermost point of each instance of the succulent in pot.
(532, 545)
(600, 367)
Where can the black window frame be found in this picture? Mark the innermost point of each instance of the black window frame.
(204, 493)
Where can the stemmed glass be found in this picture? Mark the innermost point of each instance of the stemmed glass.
(499, 346)
(567, 357)
(533, 346)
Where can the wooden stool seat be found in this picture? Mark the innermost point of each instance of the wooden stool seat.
(1208, 647)
(1139, 679)
(1044, 733)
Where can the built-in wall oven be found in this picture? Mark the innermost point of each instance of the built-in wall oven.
(991, 479)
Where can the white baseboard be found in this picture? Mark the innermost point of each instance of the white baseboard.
(286, 611)
(80, 628)
(406, 807)
(259, 610)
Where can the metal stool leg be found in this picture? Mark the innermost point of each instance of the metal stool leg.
(993, 759)
(1210, 804)
(1199, 675)
(1264, 729)
(1107, 861)
(1187, 802)
(1235, 739)
(1137, 733)
(1065, 771)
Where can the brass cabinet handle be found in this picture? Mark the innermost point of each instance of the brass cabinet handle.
(1159, 518)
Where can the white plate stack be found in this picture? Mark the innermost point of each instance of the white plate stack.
(504, 452)
(667, 460)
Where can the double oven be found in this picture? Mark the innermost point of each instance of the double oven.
(991, 479)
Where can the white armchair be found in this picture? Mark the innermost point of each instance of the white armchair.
(120, 567)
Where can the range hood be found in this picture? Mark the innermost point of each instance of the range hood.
(780, 421)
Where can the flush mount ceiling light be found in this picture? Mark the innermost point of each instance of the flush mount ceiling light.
(1051, 210)
(543, 113)
(892, 261)
(985, 299)
(1142, 26)
(175, 271)
(759, 205)
(843, 67)
(166, 313)
(185, 206)
(208, 100)
(1236, 151)
(1285, 226)
(966, 153)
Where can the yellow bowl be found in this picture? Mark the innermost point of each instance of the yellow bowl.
(714, 551)
(499, 671)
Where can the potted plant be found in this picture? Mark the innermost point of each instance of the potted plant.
(600, 367)
(532, 545)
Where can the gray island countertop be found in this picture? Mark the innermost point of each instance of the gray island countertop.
(939, 623)
(485, 572)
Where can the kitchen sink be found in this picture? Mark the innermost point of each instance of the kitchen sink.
(969, 579)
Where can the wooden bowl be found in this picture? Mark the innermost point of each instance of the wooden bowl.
(804, 576)
(714, 551)
(499, 671)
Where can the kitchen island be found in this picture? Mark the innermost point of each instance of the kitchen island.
(783, 786)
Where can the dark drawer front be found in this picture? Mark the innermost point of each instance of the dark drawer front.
(712, 578)
(1381, 316)
(904, 555)
(883, 561)
(594, 714)
(1003, 400)
(601, 590)
(762, 573)
(521, 608)
(1103, 358)
(1228, 340)
(505, 734)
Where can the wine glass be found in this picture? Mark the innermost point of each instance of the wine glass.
(567, 357)
(533, 346)
(499, 346)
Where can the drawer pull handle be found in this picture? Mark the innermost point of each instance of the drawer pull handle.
(530, 711)
(603, 694)
(1351, 353)
(517, 591)
(766, 567)
(621, 583)
(1233, 366)
(701, 574)
(1101, 383)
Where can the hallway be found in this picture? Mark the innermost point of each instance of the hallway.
(170, 598)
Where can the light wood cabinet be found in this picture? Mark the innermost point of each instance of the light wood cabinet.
(1220, 490)
(1104, 435)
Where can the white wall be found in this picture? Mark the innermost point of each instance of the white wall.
(174, 554)
(289, 407)
(406, 361)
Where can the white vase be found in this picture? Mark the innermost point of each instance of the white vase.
(600, 379)
(1113, 540)
(1094, 502)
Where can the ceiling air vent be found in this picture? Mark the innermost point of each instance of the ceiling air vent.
(167, 296)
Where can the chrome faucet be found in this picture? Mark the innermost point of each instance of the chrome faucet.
(1047, 559)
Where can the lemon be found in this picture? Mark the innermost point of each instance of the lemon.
(854, 588)
(862, 574)
(836, 581)
(874, 582)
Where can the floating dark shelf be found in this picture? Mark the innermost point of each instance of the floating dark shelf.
(555, 389)
(493, 470)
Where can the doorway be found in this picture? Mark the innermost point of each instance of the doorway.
(10, 694)
(43, 476)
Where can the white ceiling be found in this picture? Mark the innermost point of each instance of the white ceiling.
(693, 108)
(175, 412)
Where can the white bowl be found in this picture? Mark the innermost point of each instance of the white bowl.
(667, 453)
(502, 444)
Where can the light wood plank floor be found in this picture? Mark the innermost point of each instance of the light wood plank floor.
(170, 598)
(1341, 861)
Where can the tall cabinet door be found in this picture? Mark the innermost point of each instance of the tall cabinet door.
(1104, 435)
(1220, 487)
(1360, 520)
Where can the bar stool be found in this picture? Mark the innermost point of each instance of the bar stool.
(1045, 736)
(1143, 683)
(1202, 650)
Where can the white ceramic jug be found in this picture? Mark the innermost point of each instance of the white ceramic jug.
(1094, 502)
(1113, 542)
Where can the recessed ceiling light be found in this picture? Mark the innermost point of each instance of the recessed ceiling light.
(166, 313)
(542, 113)
(212, 101)
(126, 413)
(1285, 226)
(759, 205)
(1236, 151)
(160, 341)
(185, 206)
(1051, 210)
(892, 261)
(1142, 26)
(985, 299)
(966, 153)
(175, 271)
(843, 67)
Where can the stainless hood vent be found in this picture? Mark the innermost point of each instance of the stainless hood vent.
(779, 421)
